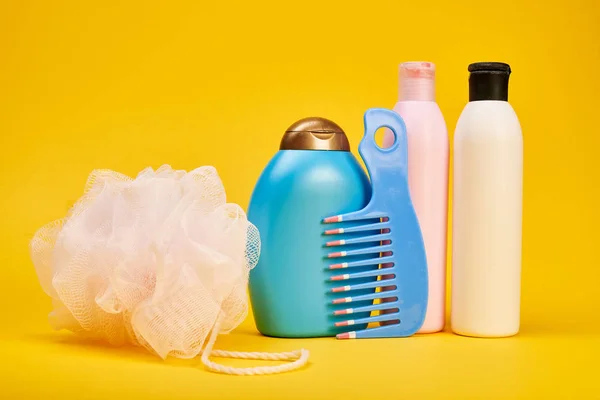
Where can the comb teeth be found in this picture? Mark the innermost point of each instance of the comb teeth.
(366, 274)
(343, 312)
(343, 300)
(363, 263)
(383, 238)
(377, 226)
(368, 285)
(367, 250)
(374, 307)
(379, 318)
(340, 277)
(342, 289)
(355, 216)
(338, 266)
(346, 335)
(377, 261)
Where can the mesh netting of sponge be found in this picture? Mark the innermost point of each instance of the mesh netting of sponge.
(153, 261)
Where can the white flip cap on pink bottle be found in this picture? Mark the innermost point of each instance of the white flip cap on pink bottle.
(417, 81)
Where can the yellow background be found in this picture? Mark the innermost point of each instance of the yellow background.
(126, 85)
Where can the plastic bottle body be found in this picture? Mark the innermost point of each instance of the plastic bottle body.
(487, 221)
(428, 148)
(290, 291)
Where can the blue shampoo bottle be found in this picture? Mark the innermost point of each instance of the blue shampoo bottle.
(312, 176)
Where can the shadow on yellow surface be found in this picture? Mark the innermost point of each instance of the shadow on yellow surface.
(534, 364)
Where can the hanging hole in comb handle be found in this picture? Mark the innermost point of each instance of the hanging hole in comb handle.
(384, 138)
(390, 159)
(376, 119)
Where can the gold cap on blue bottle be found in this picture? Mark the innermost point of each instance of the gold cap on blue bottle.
(315, 133)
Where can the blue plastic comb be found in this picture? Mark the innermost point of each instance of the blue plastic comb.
(391, 234)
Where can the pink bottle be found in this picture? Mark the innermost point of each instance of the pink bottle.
(428, 176)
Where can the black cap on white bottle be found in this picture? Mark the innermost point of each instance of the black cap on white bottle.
(488, 81)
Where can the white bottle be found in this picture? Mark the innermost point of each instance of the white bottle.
(487, 209)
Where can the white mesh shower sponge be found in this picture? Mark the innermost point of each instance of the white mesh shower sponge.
(155, 261)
